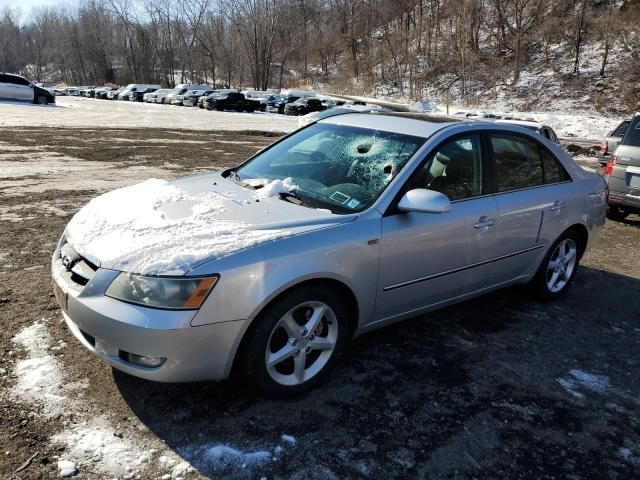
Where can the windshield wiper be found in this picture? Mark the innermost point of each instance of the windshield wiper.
(291, 197)
(236, 178)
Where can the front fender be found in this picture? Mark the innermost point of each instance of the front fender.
(250, 279)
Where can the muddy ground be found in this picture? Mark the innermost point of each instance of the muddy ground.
(501, 387)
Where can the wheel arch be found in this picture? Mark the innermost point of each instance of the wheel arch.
(351, 303)
(583, 234)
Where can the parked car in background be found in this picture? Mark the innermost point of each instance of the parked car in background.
(128, 92)
(302, 106)
(101, 93)
(622, 172)
(230, 101)
(347, 225)
(59, 92)
(182, 89)
(542, 129)
(190, 98)
(17, 88)
(72, 91)
(610, 142)
(113, 94)
(160, 96)
(138, 95)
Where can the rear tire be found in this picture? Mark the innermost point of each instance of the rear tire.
(296, 341)
(617, 214)
(559, 267)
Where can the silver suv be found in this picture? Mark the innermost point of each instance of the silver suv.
(622, 172)
(611, 141)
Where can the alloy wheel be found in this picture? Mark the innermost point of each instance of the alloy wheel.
(561, 265)
(301, 343)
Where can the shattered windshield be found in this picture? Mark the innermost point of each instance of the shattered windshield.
(337, 167)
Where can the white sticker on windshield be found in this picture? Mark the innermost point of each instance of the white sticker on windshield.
(339, 197)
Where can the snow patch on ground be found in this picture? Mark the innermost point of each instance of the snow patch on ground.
(40, 379)
(89, 442)
(578, 381)
(97, 444)
(144, 228)
(66, 468)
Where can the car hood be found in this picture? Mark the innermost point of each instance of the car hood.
(167, 228)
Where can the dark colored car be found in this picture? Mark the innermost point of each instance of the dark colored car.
(230, 101)
(281, 102)
(611, 141)
(15, 87)
(138, 95)
(303, 106)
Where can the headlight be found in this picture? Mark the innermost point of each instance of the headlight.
(177, 293)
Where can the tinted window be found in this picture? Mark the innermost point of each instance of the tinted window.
(621, 129)
(455, 169)
(632, 137)
(17, 80)
(517, 162)
(553, 171)
(4, 79)
(552, 136)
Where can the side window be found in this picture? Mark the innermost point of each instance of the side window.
(455, 169)
(632, 136)
(517, 162)
(622, 128)
(553, 170)
(552, 136)
(18, 80)
(4, 79)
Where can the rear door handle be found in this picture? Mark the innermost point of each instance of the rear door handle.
(557, 205)
(485, 222)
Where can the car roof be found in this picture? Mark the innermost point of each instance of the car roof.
(416, 124)
(527, 123)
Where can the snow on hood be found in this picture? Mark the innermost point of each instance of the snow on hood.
(166, 228)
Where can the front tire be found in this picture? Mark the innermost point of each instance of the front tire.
(296, 341)
(558, 269)
(42, 100)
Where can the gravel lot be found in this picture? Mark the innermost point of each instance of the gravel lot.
(501, 387)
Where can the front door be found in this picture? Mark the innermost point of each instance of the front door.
(427, 258)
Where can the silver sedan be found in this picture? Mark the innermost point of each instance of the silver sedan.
(351, 223)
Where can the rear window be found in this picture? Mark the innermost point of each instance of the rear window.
(622, 128)
(632, 137)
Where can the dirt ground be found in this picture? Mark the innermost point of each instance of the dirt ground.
(501, 387)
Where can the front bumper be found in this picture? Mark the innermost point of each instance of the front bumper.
(113, 330)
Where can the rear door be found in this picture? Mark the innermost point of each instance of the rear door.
(6, 87)
(531, 206)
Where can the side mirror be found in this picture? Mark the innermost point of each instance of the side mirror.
(425, 201)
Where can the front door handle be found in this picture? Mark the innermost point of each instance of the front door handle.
(485, 222)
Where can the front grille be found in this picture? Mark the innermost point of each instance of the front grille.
(79, 269)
